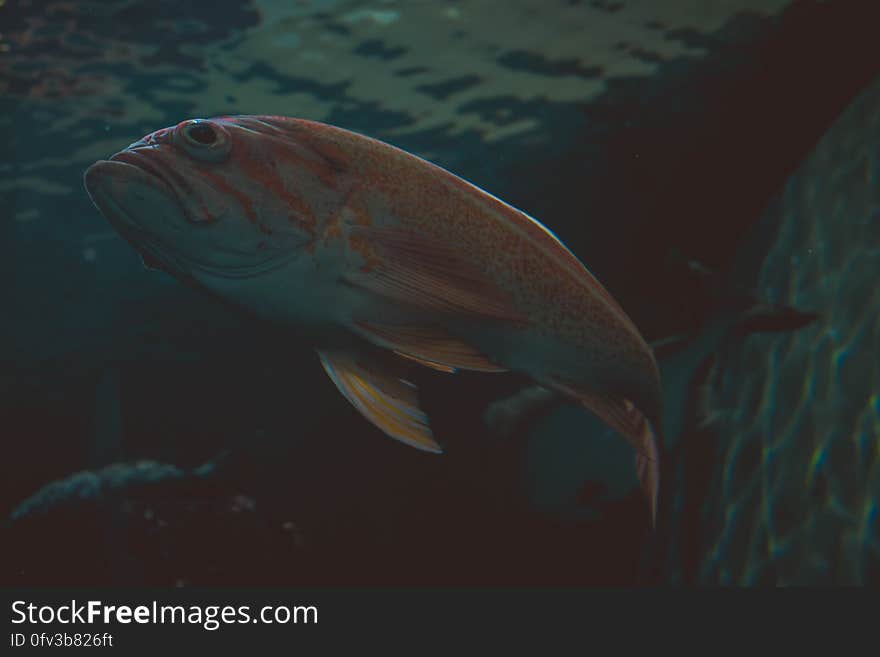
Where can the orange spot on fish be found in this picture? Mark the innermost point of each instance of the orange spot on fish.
(333, 231)
(265, 171)
(361, 245)
(207, 213)
(361, 216)
(244, 200)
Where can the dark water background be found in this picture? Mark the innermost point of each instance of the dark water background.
(644, 134)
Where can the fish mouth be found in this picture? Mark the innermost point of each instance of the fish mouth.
(124, 170)
(154, 175)
(130, 191)
(106, 180)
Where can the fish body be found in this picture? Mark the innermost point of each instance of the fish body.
(383, 259)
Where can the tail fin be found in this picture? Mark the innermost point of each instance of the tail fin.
(648, 468)
(505, 416)
(624, 417)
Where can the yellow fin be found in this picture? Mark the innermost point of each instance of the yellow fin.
(384, 399)
(429, 346)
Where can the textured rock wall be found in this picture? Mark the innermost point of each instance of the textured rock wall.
(797, 483)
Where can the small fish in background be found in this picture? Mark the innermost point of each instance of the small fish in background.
(380, 259)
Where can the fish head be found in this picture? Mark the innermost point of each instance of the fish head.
(231, 196)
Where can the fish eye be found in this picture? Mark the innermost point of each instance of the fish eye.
(202, 139)
(201, 133)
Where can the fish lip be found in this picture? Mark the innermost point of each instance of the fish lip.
(120, 169)
(134, 158)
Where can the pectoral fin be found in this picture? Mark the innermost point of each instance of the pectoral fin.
(432, 347)
(386, 400)
(623, 416)
(429, 274)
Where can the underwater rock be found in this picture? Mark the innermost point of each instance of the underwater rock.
(143, 522)
(796, 481)
(94, 487)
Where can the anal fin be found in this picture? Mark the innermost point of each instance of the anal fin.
(382, 397)
(622, 415)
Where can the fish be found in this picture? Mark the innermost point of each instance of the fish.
(381, 261)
